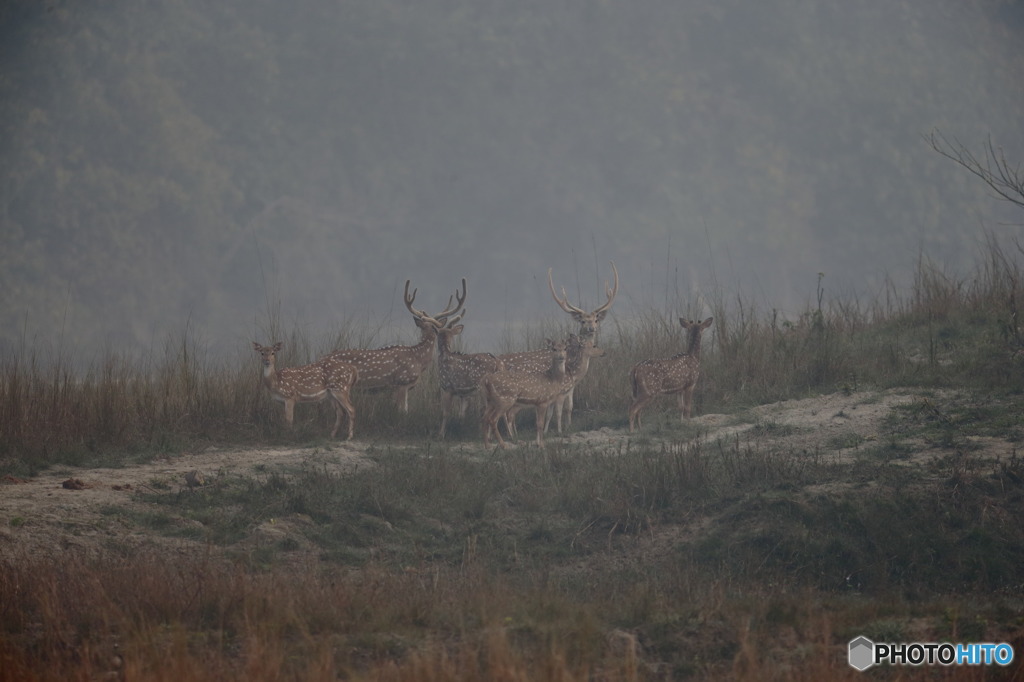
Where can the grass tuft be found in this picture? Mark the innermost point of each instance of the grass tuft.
(669, 554)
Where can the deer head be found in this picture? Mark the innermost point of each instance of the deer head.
(589, 322)
(267, 353)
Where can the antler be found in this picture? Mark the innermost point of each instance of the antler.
(459, 300)
(409, 300)
(563, 302)
(610, 293)
(455, 320)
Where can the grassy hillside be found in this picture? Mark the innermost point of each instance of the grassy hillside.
(946, 331)
(749, 546)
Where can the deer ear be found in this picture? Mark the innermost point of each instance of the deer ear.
(707, 323)
(256, 346)
(278, 346)
(600, 315)
(457, 329)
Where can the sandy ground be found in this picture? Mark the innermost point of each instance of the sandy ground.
(43, 515)
(64, 507)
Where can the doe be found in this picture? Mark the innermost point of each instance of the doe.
(326, 378)
(676, 375)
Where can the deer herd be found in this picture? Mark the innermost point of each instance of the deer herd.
(543, 379)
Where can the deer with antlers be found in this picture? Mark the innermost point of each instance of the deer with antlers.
(537, 361)
(676, 375)
(460, 374)
(505, 389)
(590, 323)
(398, 368)
(326, 378)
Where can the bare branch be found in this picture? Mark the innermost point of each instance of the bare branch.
(1005, 179)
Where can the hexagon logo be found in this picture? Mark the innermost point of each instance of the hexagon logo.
(862, 653)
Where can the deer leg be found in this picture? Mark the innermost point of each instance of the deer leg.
(567, 407)
(493, 410)
(343, 403)
(337, 413)
(289, 412)
(446, 406)
(350, 411)
(497, 433)
(687, 402)
(558, 408)
(541, 414)
(402, 399)
(639, 403)
(490, 424)
(555, 409)
(634, 412)
(509, 417)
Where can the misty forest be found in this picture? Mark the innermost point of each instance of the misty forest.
(209, 165)
(464, 340)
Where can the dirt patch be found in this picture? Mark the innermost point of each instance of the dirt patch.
(44, 514)
(806, 423)
(838, 423)
(47, 514)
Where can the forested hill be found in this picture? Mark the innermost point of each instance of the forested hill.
(194, 163)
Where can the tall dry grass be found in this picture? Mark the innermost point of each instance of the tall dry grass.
(946, 330)
(147, 619)
(429, 565)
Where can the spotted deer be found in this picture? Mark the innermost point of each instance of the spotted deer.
(577, 363)
(523, 362)
(578, 353)
(590, 325)
(460, 374)
(505, 389)
(326, 378)
(668, 376)
(399, 368)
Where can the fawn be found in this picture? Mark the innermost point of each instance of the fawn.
(506, 389)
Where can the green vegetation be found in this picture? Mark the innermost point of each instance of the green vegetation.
(551, 565)
(668, 555)
(194, 157)
(947, 332)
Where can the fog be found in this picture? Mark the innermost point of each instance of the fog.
(260, 167)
